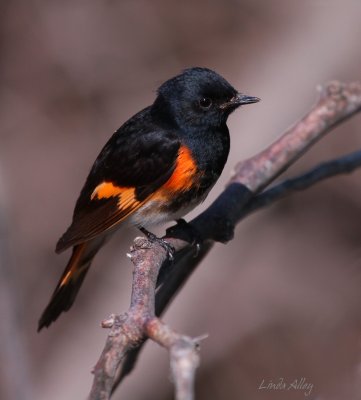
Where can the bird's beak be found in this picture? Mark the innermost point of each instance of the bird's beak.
(238, 100)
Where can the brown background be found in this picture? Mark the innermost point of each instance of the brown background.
(283, 300)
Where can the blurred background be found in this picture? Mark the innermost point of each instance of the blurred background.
(282, 301)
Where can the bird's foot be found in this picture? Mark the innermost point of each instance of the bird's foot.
(186, 231)
(162, 242)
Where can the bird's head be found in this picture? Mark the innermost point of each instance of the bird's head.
(199, 97)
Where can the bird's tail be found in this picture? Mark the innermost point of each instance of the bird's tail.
(71, 280)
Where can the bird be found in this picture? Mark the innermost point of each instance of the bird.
(155, 168)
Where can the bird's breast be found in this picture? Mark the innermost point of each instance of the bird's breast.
(197, 169)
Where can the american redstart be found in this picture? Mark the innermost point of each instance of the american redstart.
(156, 167)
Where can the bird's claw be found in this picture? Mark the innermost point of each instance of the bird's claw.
(187, 232)
(162, 242)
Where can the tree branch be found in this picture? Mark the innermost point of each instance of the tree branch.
(129, 329)
(337, 103)
(326, 170)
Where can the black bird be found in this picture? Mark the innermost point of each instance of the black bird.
(156, 167)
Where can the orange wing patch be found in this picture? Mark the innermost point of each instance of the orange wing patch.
(106, 190)
(103, 217)
(127, 199)
(127, 202)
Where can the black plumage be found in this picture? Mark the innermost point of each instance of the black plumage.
(156, 167)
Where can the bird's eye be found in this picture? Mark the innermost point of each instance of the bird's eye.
(205, 102)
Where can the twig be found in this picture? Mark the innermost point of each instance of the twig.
(184, 357)
(337, 102)
(140, 321)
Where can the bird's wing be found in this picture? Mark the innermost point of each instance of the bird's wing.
(129, 169)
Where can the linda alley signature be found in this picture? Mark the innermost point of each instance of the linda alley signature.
(282, 384)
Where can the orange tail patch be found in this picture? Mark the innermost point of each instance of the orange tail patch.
(74, 265)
